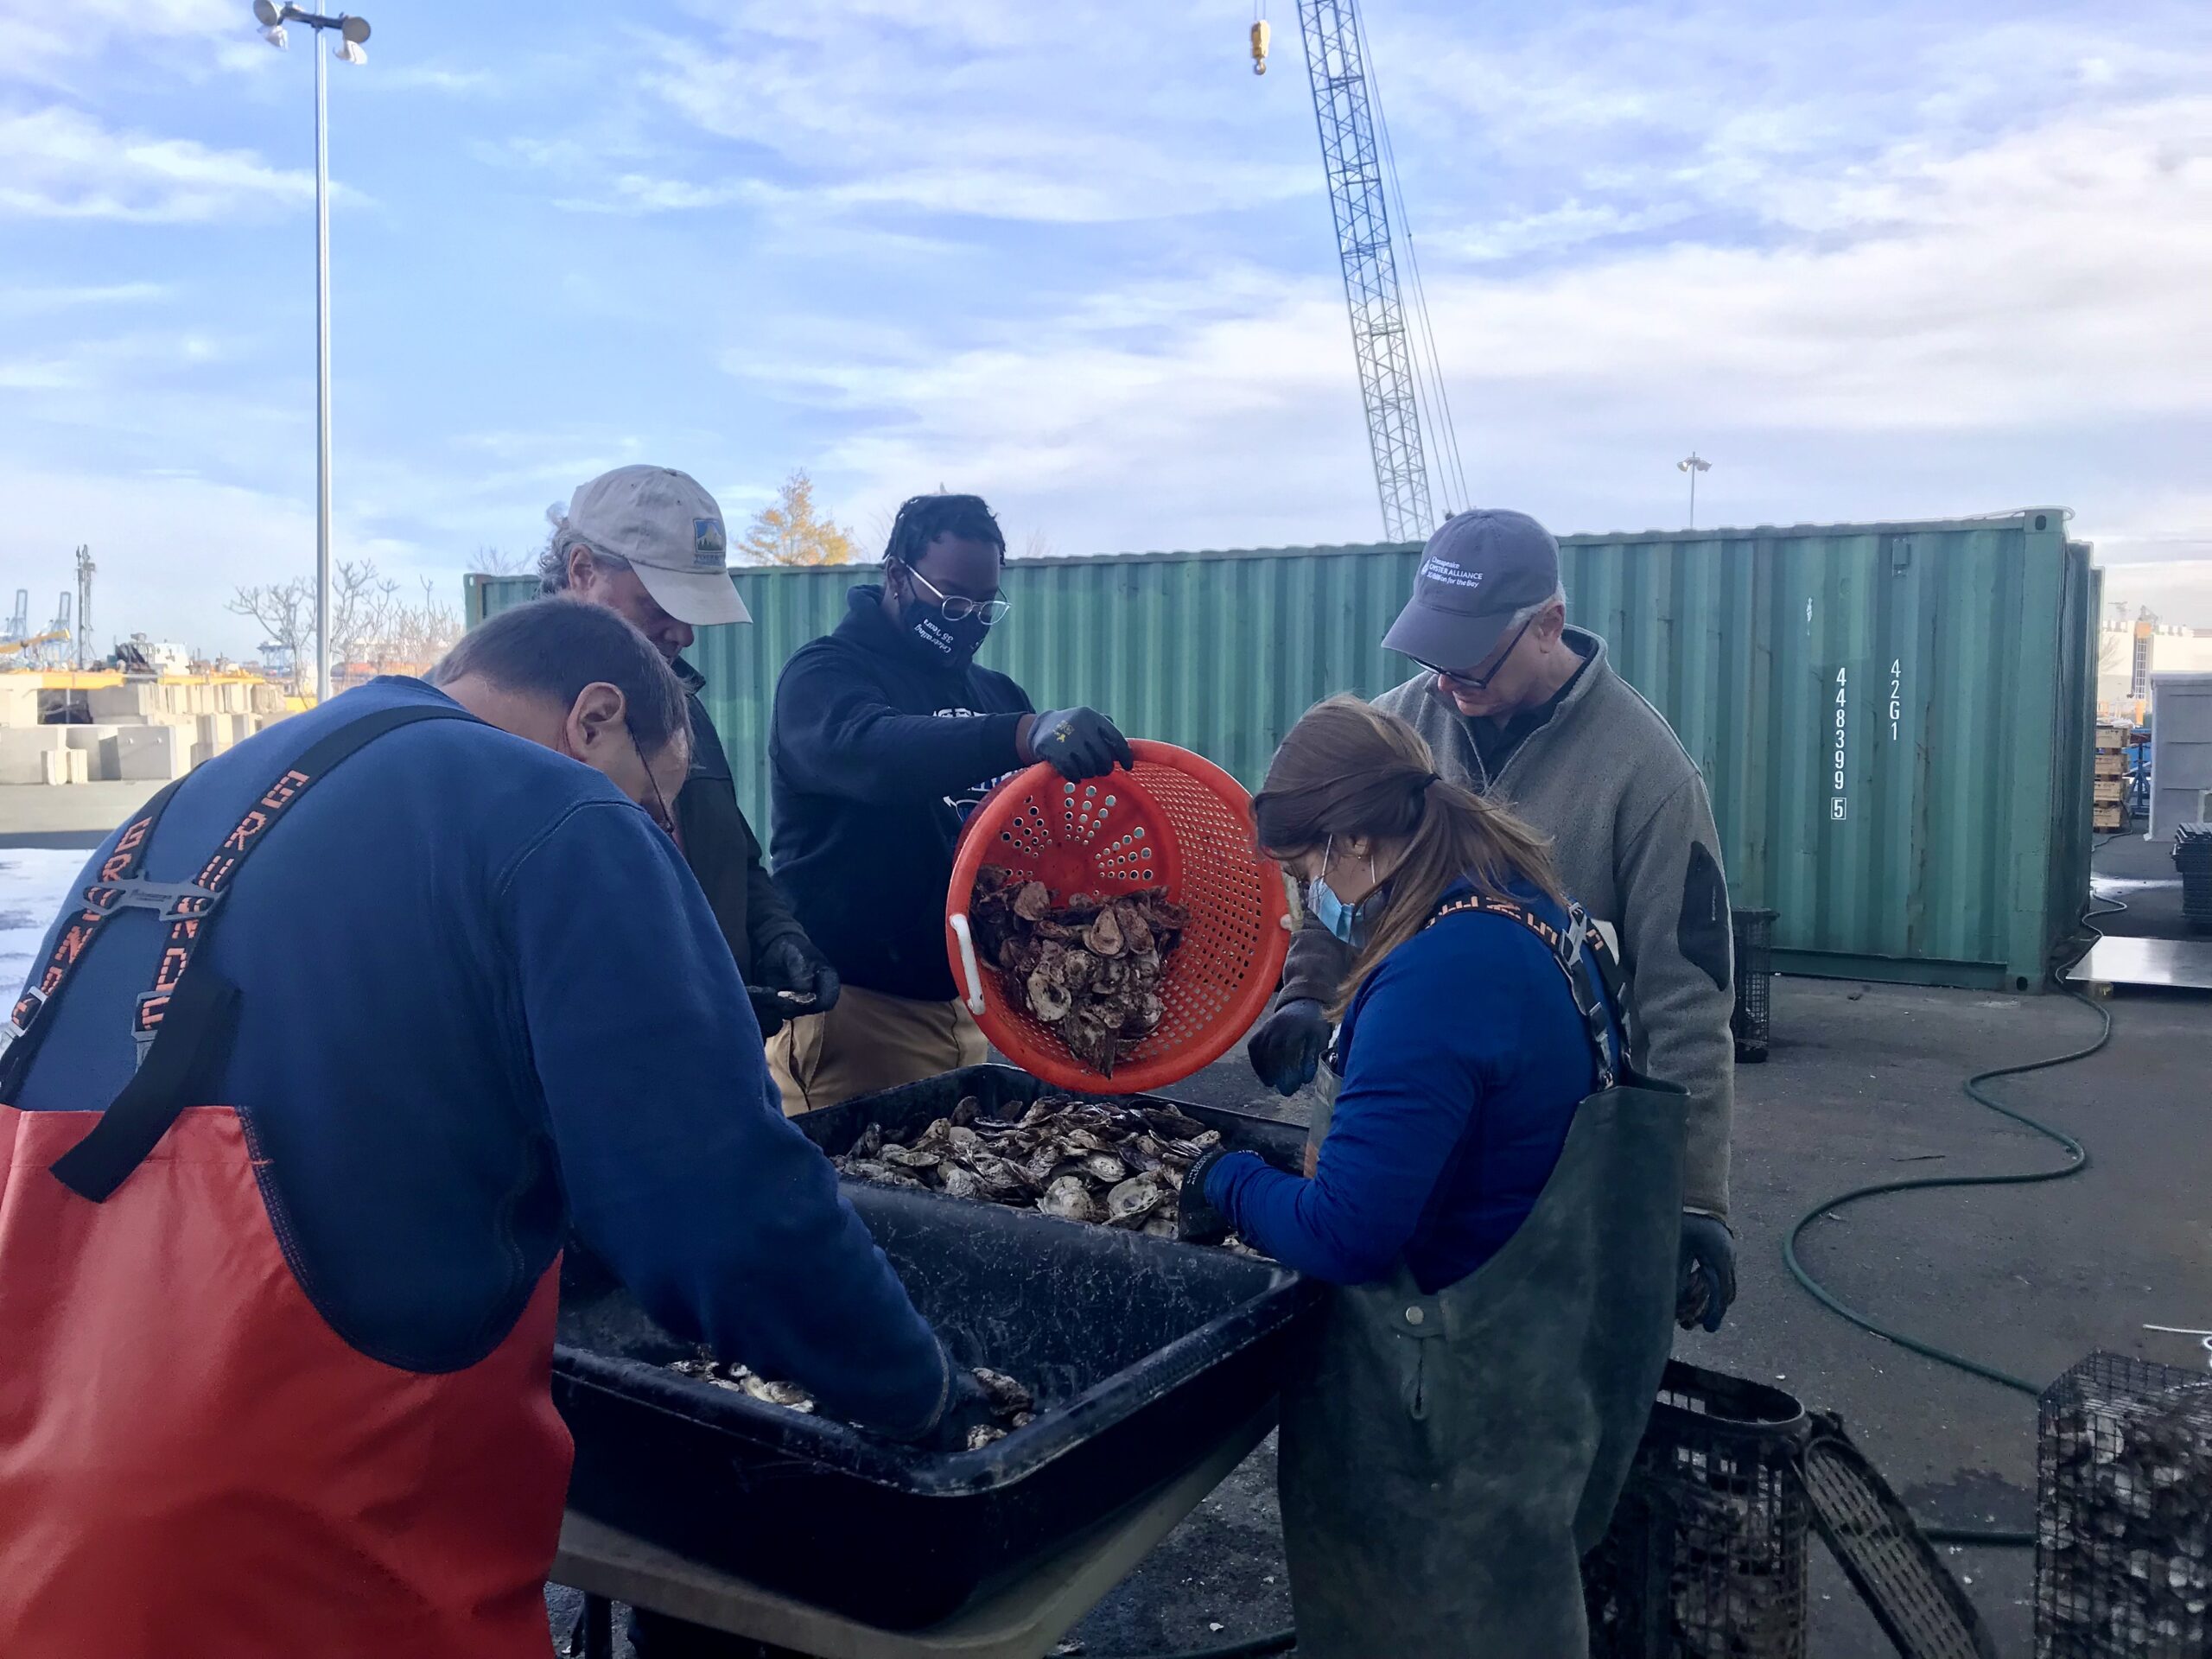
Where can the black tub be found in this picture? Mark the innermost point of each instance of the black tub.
(1005, 1092)
(1143, 1353)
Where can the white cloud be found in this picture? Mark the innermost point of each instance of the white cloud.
(30, 301)
(58, 163)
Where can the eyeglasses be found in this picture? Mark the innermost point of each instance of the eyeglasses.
(1478, 682)
(956, 607)
(657, 812)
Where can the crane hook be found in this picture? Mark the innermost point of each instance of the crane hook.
(1260, 35)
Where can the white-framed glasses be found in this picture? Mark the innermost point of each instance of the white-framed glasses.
(957, 607)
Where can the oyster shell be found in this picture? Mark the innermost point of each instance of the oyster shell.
(1032, 902)
(1128, 1204)
(1070, 1199)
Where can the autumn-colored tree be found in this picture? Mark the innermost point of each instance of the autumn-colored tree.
(789, 531)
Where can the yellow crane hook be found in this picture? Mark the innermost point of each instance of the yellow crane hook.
(1259, 37)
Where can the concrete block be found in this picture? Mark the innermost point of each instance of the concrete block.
(237, 697)
(54, 766)
(212, 733)
(78, 765)
(137, 753)
(132, 700)
(23, 749)
(268, 701)
(18, 701)
(94, 742)
(201, 755)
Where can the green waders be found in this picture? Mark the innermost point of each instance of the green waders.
(1447, 1459)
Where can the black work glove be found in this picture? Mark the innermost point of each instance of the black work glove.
(1078, 743)
(1286, 1049)
(1197, 1222)
(1705, 1283)
(794, 979)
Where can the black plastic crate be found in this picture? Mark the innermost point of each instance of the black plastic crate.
(2124, 1512)
(1754, 937)
(1143, 1353)
(1004, 1091)
(2193, 858)
(1706, 1556)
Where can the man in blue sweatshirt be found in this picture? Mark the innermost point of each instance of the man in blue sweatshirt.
(886, 736)
(337, 1040)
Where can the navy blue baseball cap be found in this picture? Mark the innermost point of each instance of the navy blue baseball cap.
(1479, 568)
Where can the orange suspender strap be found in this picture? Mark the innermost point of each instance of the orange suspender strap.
(183, 1023)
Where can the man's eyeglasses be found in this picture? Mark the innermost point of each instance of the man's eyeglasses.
(956, 607)
(1478, 682)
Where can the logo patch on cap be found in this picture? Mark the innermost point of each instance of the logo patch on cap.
(1451, 575)
(709, 548)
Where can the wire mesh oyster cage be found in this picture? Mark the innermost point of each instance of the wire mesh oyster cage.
(2124, 1508)
(1754, 939)
(1705, 1557)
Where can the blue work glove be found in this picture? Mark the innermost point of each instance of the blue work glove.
(794, 979)
(1286, 1049)
(1705, 1283)
(1078, 743)
(1197, 1221)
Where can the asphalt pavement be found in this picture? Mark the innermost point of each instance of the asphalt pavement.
(1863, 1086)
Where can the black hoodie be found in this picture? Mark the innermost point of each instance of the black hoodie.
(876, 756)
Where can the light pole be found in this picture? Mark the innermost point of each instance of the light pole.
(351, 33)
(1693, 463)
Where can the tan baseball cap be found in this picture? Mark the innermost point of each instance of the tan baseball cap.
(668, 529)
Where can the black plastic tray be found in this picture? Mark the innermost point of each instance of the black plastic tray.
(1005, 1092)
(1143, 1353)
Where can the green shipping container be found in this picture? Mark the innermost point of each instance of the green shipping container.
(1895, 721)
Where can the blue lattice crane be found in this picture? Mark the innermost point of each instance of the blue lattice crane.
(1400, 380)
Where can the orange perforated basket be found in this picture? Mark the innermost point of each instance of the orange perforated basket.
(1178, 823)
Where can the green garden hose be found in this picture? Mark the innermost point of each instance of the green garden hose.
(2077, 1160)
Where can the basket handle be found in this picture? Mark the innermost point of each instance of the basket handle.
(974, 999)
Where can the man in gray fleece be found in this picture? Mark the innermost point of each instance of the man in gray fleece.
(1518, 706)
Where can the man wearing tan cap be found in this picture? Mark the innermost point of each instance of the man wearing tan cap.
(648, 543)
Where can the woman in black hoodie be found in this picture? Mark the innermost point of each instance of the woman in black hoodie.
(886, 736)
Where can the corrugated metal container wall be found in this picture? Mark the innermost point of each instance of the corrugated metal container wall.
(1895, 721)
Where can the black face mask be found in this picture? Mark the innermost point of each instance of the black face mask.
(937, 640)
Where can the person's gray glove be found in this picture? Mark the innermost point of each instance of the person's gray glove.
(1078, 743)
(794, 979)
(1705, 1283)
(1197, 1221)
(1287, 1046)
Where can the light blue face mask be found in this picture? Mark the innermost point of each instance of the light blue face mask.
(1347, 921)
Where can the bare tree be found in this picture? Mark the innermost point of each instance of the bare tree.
(361, 603)
(498, 561)
(285, 613)
(1038, 545)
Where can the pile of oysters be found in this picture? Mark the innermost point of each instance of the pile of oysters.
(1091, 1161)
(1012, 1405)
(1089, 968)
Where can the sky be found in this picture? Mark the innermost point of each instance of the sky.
(1873, 260)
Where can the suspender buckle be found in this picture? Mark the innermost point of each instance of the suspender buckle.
(173, 902)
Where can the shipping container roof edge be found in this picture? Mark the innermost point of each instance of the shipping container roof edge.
(2029, 519)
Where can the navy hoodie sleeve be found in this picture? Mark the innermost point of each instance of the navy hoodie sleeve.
(1423, 1058)
(837, 734)
(680, 1169)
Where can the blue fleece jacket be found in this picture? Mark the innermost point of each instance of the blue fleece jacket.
(1464, 1058)
(481, 997)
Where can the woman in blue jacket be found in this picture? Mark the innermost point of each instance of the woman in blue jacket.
(1494, 1205)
